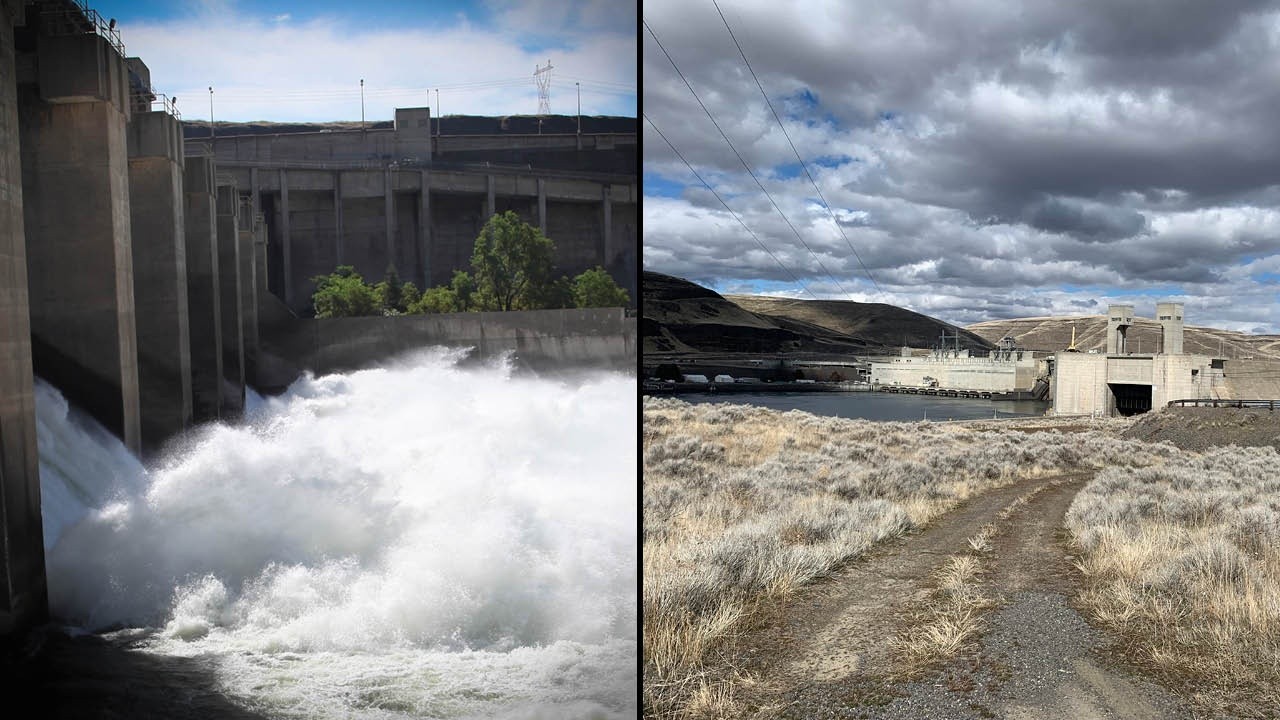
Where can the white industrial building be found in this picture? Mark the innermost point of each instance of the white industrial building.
(1123, 383)
(1006, 369)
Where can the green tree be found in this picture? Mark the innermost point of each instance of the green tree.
(595, 288)
(464, 291)
(435, 300)
(390, 293)
(557, 294)
(344, 293)
(409, 295)
(511, 264)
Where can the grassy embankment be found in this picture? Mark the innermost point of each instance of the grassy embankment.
(744, 506)
(1183, 562)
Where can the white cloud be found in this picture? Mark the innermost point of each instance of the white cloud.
(1004, 159)
(267, 69)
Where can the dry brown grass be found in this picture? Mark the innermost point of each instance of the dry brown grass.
(951, 619)
(953, 616)
(743, 506)
(1183, 561)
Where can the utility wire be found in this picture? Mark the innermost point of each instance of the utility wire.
(825, 204)
(597, 86)
(743, 161)
(726, 207)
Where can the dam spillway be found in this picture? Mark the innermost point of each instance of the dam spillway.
(349, 551)
(155, 278)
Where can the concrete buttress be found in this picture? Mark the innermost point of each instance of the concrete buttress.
(160, 275)
(75, 177)
(424, 228)
(248, 258)
(230, 294)
(23, 595)
(204, 309)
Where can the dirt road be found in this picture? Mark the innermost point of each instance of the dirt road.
(827, 653)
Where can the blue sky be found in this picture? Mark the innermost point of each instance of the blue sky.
(976, 163)
(303, 61)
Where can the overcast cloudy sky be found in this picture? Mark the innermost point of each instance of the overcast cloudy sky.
(303, 60)
(985, 159)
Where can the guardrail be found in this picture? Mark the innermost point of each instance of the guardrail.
(72, 17)
(419, 164)
(156, 101)
(1218, 402)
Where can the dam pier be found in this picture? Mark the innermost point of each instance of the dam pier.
(152, 272)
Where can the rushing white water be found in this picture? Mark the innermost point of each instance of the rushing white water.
(417, 541)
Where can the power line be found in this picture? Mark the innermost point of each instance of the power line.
(743, 161)
(726, 207)
(584, 81)
(598, 86)
(805, 167)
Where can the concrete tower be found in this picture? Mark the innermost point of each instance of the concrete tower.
(1170, 316)
(1119, 318)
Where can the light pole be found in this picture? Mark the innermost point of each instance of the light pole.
(211, 131)
(361, 104)
(579, 87)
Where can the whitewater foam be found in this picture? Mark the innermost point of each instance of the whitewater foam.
(416, 540)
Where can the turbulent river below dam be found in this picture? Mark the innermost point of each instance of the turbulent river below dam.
(420, 540)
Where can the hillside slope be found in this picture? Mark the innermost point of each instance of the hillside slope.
(1050, 334)
(876, 324)
(683, 317)
(679, 316)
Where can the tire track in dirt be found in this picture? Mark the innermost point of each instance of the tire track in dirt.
(1038, 657)
(826, 652)
(839, 629)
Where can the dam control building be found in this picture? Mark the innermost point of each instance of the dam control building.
(1122, 382)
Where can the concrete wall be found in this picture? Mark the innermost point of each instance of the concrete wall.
(203, 292)
(1250, 380)
(230, 296)
(1130, 369)
(456, 220)
(374, 216)
(247, 257)
(325, 232)
(77, 221)
(1079, 384)
(156, 205)
(599, 152)
(958, 373)
(623, 264)
(540, 339)
(22, 580)
(1178, 377)
(1080, 380)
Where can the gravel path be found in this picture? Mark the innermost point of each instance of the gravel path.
(825, 655)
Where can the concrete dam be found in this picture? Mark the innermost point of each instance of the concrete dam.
(416, 194)
(152, 272)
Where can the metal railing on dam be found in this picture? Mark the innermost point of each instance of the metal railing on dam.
(414, 164)
(1220, 403)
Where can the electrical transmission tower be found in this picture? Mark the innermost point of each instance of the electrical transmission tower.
(542, 76)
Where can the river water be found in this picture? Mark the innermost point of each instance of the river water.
(421, 540)
(880, 406)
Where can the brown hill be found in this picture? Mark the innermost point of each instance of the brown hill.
(683, 317)
(1050, 334)
(876, 324)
